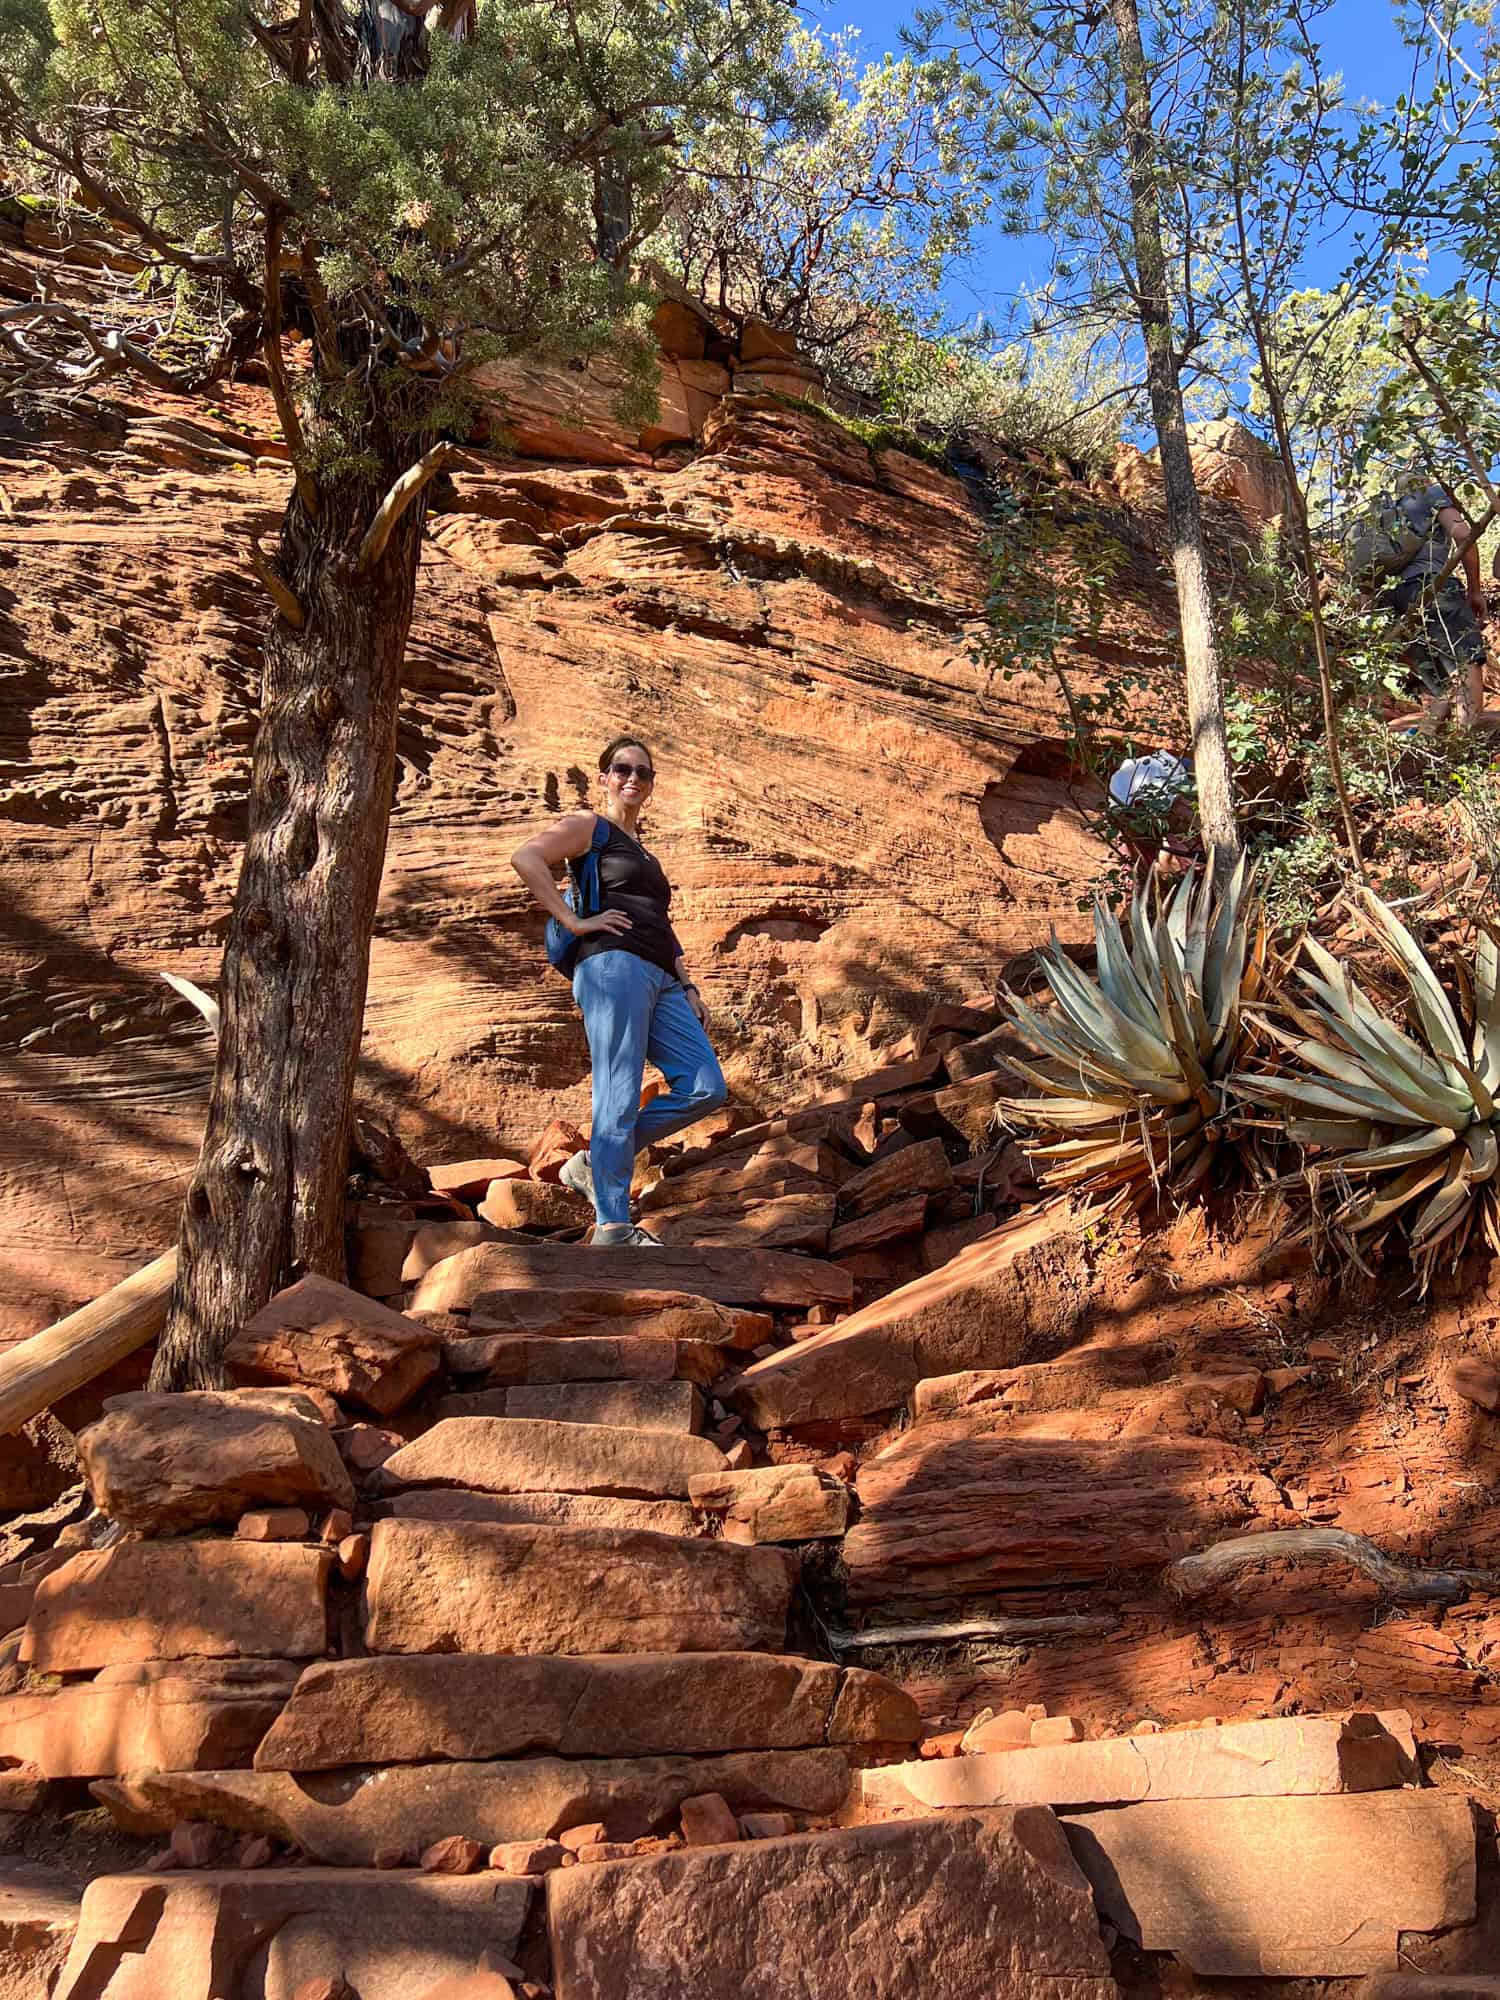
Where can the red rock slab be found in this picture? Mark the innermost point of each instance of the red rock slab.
(164, 1463)
(772, 1138)
(951, 1517)
(193, 1715)
(1284, 1756)
(544, 1510)
(919, 1169)
(39, 1908)
(269, 1934)
(167, 1600)
(979, 1906)
(512, 1359)
(795, 1221)
(531, 1455)
(798, 1163)
(641, 1406)
(880, 1225)
(967, 1108)
(513, 1204)
(323, 1333)
(1020, 1287)
(445, 1587)
(345, 1817)
(774, 1503)
(470, 1179)
(1300, 1888)
(731, 1277)
(1073, 1380)
(571, 1314)
(470, 1707)
(431, 1242)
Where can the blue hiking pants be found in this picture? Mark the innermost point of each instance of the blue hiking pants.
(634, 1013)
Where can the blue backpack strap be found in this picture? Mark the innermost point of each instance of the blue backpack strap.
(589, 892)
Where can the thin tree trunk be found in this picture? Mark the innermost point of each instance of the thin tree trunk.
(1200, 647)
(266, 1202)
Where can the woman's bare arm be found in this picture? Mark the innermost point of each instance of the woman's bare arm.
(537, 861)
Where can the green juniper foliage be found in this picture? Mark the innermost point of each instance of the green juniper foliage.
(432, 187)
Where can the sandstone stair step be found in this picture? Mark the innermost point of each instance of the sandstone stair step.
(469, 1707)
(537, 1455)
(544, 1510)
(638, 1406)
(1074, 1378)
(973, 1906)
(1279, 1757)
(1293, 1888)
(170, 1715)
(505, 1360)
(349, 1816)
(731, 1277)
(474, 1587)
(791, 1221)
(274, 1933)
(141, 1601)
(571, 1312)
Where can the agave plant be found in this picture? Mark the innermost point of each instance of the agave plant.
(1132, 1062)
(1403, 1126)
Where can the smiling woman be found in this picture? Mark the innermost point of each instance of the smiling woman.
(630, 980)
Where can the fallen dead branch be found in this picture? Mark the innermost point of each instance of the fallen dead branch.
(1196, 1575)
(36, 1372)
(1017, 1630)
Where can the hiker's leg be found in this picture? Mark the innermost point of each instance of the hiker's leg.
(683, 1053)
(616, 991)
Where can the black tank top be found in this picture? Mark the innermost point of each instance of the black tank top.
(634, 881)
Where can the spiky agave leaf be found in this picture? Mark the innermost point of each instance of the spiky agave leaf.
(1131, 1062)
(1404, 1127)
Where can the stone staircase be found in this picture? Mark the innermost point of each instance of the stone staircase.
(497, 1629)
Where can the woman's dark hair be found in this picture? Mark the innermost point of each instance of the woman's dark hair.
(607, 754)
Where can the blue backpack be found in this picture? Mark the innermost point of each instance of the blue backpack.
(582, 896)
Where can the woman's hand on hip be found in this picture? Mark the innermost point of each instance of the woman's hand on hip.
(610, 923)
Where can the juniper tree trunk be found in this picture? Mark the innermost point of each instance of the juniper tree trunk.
(266, 1202)
(1200, 646)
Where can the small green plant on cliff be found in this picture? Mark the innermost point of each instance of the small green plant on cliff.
(1133, 1062)
(1402, 1125)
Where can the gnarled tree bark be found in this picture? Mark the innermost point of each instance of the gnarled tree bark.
(266, 1201)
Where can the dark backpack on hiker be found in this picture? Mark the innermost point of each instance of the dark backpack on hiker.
(583, 897)
(1380, 541)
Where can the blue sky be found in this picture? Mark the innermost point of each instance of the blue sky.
(1359, 40)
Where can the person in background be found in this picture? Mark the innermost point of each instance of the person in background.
(1449, 649)
(1151, 802)
(631, 982)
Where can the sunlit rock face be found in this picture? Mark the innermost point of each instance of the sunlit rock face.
(857, 817)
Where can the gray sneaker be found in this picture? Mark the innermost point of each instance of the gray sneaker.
(614, 1235)
(577, 1174)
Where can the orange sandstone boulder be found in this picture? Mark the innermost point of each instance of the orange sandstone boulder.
(443, 1587)
(532, 1455)
(164, 1463)
(323, 1333)
(977, 1906)
(418, 1708)
(188, 1715)
(168, 1600)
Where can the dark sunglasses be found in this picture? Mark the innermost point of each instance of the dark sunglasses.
(642, 771)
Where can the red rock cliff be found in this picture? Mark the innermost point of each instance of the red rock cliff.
(857, 818)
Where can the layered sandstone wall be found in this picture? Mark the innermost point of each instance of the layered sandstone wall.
(858, 819)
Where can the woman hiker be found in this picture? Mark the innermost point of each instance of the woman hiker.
(631, 982)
